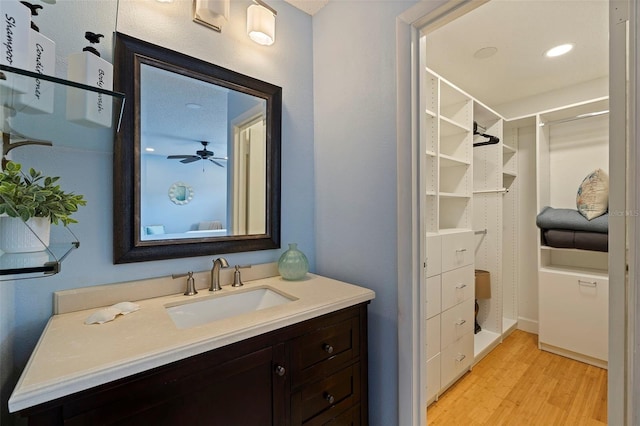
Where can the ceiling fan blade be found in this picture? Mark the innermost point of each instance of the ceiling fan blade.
(190, 159)
(215, 162)
(175, 157)
(220, 158)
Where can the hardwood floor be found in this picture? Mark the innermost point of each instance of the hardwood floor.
(518, 384)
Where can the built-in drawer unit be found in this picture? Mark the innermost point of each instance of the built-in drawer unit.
(434, 254)
(433, 303)
(574, 313)
(456, 322)
(336, 393)
(455, 359)
(457, 250)
(433, 377)
(433, 336)
(324, 350)
(457, 286)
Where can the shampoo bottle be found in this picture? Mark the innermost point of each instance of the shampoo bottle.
(87, 67)
(14, 39)
(42, 60)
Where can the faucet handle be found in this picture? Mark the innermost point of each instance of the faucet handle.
(237, 281)
(191, 283)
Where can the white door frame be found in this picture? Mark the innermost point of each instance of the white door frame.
(624, 301)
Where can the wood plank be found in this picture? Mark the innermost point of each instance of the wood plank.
(518, 384)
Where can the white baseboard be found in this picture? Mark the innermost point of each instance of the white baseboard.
(528, 325)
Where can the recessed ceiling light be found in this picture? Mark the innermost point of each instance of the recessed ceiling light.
(149, 149)
(485, 52)
(559, 50)
(193, 106)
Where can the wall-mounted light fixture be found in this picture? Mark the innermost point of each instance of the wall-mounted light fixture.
(211, 13)
(261, 23)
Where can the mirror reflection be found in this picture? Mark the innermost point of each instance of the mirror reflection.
(197, 157)
(210, 136)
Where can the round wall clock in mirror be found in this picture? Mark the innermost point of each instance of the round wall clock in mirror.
(180, 193)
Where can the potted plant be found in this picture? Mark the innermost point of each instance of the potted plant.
(34, 200)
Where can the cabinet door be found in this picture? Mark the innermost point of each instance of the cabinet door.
(574, 313)
(216, 394)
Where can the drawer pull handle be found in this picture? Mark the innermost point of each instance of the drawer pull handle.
(588, 283)
(280, 370)
(461, 250)
(460, 286)
(460, 322)
(460, 357)
(330, 398)
(327, 348)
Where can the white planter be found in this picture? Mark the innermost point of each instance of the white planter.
(16, 237)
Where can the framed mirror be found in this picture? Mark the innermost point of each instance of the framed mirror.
(187, 120)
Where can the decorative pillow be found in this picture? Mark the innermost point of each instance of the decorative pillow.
(154, 229)
(593, 194)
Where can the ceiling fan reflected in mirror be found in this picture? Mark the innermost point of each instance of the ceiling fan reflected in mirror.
(201, 154)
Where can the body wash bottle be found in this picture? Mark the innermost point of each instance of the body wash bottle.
(14, 39)
(87, 67)
(42, 60)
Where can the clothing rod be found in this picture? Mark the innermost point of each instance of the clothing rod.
(488, 191)
(482, 231)
(577, 117)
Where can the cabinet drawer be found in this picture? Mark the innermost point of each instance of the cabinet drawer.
(351, 417)
(321, 352)
(434, 255)
(433, 377)
(455, 359)
(457, 250)
(336, 393)
(457, 286)
(433, 336)
(456, 322)
(433, 296)
(574, 312)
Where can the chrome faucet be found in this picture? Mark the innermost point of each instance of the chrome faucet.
(220, 262)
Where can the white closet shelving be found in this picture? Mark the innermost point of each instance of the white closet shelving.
(573, 285)
(488, 188)
(469, 220)
(447, 182)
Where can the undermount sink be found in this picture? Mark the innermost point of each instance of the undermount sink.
(217, 307)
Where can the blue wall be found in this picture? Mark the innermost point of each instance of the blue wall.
(339, 176)
(26, 305)
(354, 57)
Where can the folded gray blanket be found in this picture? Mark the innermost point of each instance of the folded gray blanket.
(550, 218)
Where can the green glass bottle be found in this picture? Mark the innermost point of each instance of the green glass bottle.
(293, 264)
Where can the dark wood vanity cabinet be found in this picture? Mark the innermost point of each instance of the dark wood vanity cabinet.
(310, 373)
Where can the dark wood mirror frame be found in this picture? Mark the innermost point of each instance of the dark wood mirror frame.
(127, 245)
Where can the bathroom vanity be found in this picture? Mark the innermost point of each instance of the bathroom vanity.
(301, 362)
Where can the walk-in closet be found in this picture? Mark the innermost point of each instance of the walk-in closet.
(514, 185)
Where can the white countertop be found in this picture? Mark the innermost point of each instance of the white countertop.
(71, 356)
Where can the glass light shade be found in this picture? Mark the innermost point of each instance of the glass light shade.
(261, 25)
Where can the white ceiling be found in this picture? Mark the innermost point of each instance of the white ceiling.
(522, 30)
(308, 6)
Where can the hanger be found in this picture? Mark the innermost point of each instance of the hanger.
(492, 139)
